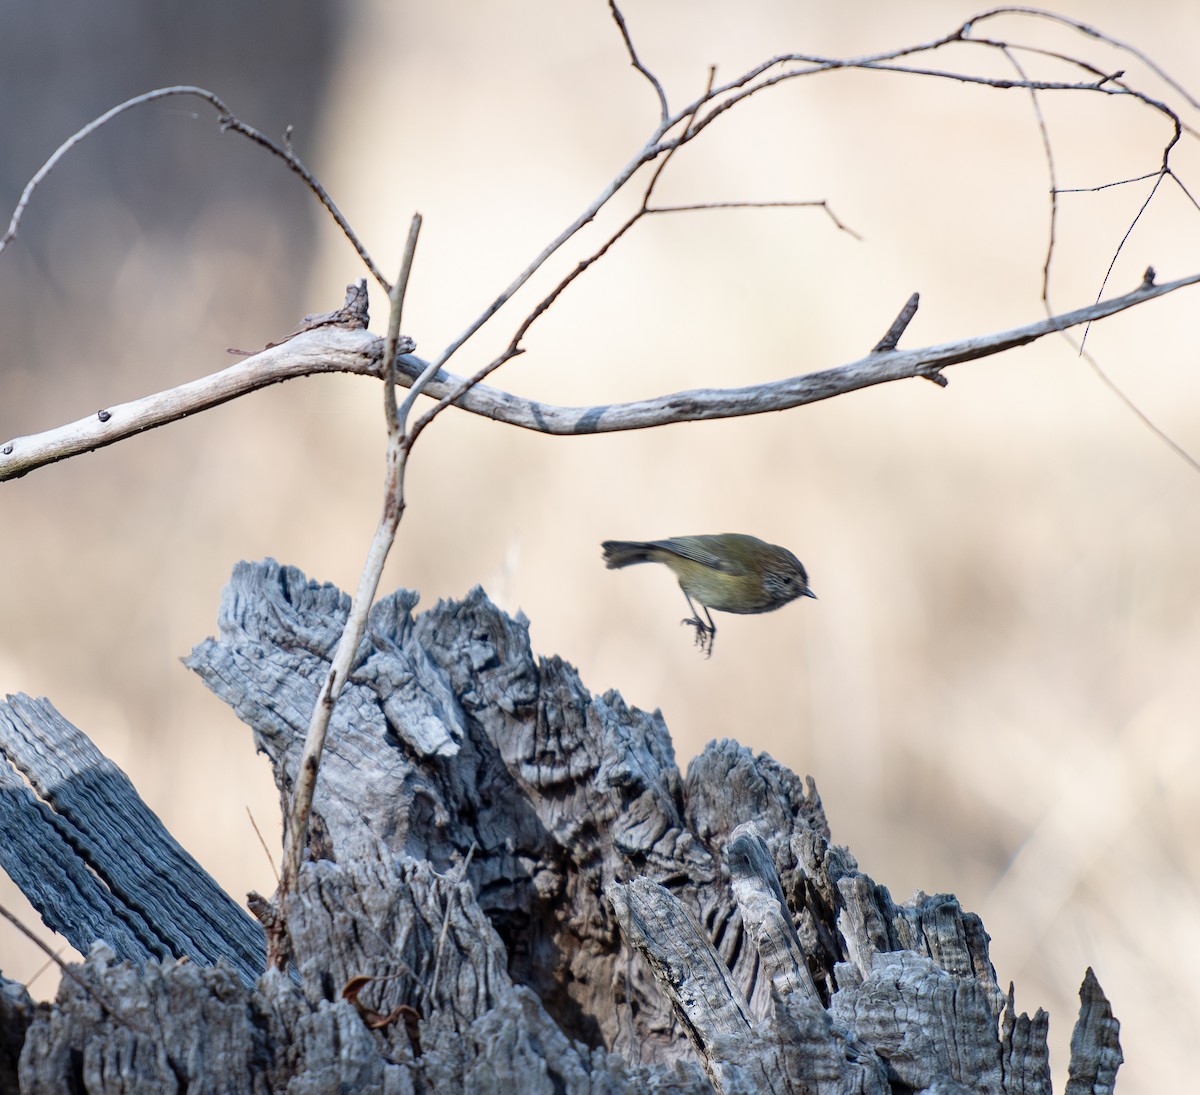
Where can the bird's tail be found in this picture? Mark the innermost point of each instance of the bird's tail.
(622, 553)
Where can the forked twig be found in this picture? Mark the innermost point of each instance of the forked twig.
(636, 62)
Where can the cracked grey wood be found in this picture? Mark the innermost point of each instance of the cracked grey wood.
(522, 863)
(100, 862)
(1095, 1045)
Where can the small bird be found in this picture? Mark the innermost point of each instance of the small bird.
(731, 572)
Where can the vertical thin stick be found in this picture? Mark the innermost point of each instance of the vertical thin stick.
(394, 424)
(296, 830)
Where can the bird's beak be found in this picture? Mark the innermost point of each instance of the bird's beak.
(808, 593)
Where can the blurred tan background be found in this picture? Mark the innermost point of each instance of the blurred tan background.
(997, 691)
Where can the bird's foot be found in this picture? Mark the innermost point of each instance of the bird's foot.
(704, 634)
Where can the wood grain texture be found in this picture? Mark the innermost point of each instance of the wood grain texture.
(101, 864)
(528, 894)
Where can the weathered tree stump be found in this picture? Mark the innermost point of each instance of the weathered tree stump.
(509, 884)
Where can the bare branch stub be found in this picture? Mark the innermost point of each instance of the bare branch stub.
(354, 315)
(899, 325)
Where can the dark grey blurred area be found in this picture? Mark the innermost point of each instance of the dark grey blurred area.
(158, 233)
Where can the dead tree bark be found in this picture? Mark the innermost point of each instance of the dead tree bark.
(508, 883)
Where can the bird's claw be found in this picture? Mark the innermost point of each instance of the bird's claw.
(704, 634)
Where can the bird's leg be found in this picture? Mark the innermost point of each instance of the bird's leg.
(705, 632)
(712, 632)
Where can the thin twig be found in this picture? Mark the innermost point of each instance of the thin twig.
(1135, 410)
(1108, 185)
(636, 62)
(1055, 191)
(263, 843)
(227, 121)
(1121, 247)
(56, 956)
(437, 962)
(394, 418)
(817, 204)
(300, 808)
(514, 346)
(68, 971)
(1090, 31)
(1048, 152)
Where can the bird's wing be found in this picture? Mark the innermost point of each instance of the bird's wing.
(697, 548)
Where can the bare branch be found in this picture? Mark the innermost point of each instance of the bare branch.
(633, 58)
(514, 346)
(1137, 411)
(263, 844)
(691, 121)
(323, 350)
(815, 203)
(111, 424)
(227, 121)
(333, 349)
(648, 152)
(392, 416)
(1090, 32)
(711, 403)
